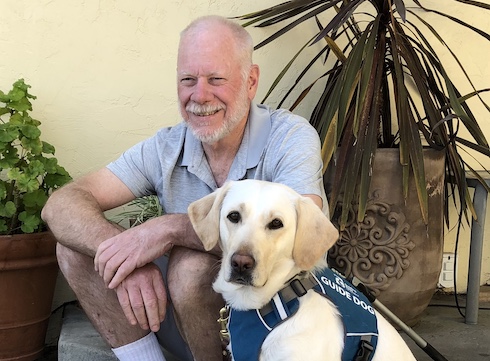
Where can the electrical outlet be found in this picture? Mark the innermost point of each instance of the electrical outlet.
(446, 278)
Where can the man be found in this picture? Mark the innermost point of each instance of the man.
(136, 296)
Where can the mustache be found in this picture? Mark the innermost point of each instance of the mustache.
(203, 109)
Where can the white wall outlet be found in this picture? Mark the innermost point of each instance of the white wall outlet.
(446, 278)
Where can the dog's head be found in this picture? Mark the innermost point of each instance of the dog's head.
(267, 233)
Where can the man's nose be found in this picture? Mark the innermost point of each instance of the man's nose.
(202, 91)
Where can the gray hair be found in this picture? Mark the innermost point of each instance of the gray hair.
(243, 44)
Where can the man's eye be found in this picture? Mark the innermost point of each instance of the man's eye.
(216, 80)
(234, 217)
(186, 80)
(275, 224)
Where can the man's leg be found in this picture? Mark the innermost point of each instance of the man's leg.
(99, 303)
(103, 309)
(190, 275)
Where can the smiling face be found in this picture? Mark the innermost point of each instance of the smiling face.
(216, 81)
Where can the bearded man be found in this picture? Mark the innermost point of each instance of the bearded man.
(150, 286)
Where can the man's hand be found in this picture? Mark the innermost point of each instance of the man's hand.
(120, 255)
(143, 297)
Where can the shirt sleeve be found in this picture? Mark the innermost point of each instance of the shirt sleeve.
(138, 167)
(296, 155)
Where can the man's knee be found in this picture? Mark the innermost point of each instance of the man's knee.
(190, 273)
(73, 265)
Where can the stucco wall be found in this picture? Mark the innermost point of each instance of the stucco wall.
(104, 71)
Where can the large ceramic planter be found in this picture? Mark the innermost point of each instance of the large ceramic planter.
(393, 252)
(28, 270)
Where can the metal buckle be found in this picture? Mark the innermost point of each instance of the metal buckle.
(224, 334)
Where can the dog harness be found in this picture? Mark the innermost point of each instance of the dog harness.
(248, 329)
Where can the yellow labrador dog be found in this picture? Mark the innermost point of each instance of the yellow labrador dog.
(274, 243)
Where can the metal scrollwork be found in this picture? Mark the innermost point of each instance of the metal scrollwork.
(376, 250)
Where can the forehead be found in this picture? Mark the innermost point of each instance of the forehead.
(259, 199)
(207, 51)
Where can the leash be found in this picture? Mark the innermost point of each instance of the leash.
(224, 334)
(423, 344)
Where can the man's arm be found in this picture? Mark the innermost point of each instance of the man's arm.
(118, 256)
(74, 213)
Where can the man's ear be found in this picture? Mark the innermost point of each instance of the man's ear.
(204, 215)
(253, 81)
(315, 234)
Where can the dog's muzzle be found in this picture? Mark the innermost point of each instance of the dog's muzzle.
(242, 267)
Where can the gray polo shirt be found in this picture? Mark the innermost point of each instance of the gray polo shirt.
(277, 146)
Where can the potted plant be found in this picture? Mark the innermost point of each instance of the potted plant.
(385, 90)
(28, 268)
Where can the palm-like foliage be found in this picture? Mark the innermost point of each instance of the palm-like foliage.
(140, 210)
(384, 68)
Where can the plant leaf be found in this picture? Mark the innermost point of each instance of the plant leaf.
(400, 8)
(30, 222)
(7, 209)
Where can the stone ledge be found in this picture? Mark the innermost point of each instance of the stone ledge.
(79, 341)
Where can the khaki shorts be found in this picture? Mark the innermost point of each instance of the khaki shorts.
(169, 336)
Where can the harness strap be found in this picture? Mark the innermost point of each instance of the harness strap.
(365, 349)
(294, 289)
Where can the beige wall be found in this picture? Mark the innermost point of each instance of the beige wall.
(104, 71)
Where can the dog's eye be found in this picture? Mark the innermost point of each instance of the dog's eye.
(275, 224)
(234, 217)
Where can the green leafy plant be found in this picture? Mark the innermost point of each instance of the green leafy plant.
(28, 170)
(384, 85)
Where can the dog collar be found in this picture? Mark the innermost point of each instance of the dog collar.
(296, 287)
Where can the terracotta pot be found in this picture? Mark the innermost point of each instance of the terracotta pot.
(28, 271)
(393, 252)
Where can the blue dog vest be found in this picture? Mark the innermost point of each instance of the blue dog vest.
(248, 329)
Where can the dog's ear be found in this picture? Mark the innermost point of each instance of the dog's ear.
(315, 234)
(204, 216)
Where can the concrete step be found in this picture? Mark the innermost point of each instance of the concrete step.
(79, 341)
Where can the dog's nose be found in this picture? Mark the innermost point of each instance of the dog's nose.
(242, 263)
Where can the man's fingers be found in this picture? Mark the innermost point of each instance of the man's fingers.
(114, 264)
(161, 294)
(123, 298)
(102, 256)
(97, 256)
(143, 297)
(111, 266)
(138, 307)
(117, 273)
(151, 303)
